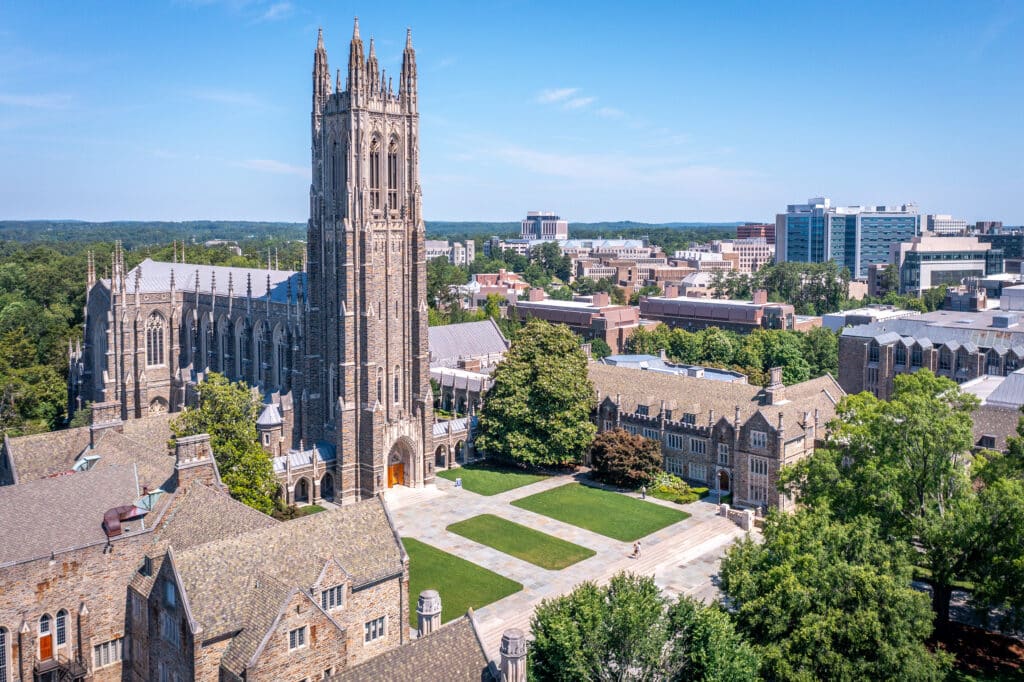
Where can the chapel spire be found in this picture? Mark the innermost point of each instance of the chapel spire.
(356, 63)
(407, 81)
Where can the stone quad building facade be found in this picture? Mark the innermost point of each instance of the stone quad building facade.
(341, 349)
(727, 436)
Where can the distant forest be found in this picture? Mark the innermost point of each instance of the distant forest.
(137, 234)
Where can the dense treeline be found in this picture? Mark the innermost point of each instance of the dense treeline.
(802, 355)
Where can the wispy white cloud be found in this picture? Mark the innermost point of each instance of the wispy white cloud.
(271, 166)
(579, 102)
(221, 96)
(556, 95)
(52, 100)
(279, 10)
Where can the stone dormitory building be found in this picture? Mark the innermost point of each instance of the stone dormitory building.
(121, 561)
(726, 435)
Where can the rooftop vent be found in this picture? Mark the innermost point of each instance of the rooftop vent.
(1004, 321)
(86, 463)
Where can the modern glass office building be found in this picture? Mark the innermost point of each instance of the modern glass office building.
(853, 236)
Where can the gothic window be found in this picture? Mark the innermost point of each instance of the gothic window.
(396, 379)
(154, 340)
(375, 174)
(915, 356)
(62, 627)
(3, 655)
(45, 637)
(945, 359)
(380, 384)
(393, 174)
(873, 352)
(901, 354)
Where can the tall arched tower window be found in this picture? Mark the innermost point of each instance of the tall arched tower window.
(393, 174)
(154, 340)
(380, 384)
(3, 655)
(395, 393)
(375, 173)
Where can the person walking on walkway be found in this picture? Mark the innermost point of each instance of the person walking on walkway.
(636, 550)
(643, 492)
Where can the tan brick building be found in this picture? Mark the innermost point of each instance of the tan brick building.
(728, 436)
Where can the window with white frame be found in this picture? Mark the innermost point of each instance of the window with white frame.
(373, 629)
(675, 441)
(758, 439)
(653, 434)
(169, 629)
(674, 465)
(698, 446)
(138, 609)
(297, 638)
(699, 472)
(723, 454)
(758, 480)
(62, 627)
(632, 429)
(332, 597)
(690, 418)
(609, 425)
(154, 340)
(107, 653)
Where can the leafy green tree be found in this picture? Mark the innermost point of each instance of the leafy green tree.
(824, 600)
(821, 350)
(599, 348)
(538, 409)
(492, 306)
(628, 630)
(624, 459)
(227, 411)
(904, 462)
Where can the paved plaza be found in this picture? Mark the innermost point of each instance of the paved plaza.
(682, 557)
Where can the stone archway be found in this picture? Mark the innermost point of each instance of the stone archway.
(327, 487)
(441, 457)
(400, 464)
(302, 490)
(723, 480)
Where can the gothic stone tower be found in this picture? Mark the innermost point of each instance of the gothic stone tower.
(367, 360)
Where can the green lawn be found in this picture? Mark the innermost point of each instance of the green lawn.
(488, 479)
(521, 542)
(462, 584)
(602, 511)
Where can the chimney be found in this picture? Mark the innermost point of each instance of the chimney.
(760, 297)
(513, 655)
(600, 299)
(428, 612)
(104, 416)
(671, 291)
(775, 391)
(193, 461)
(536, 294)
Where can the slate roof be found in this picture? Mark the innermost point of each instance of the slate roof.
(460, 425)
(1010, 392)
(156, 277)
(698, 396)
(45, 454)
(61, 513)
(304, 458)
(264, 598)
(993, 420)
(452, 653)
(270, 416)
(201, 514)
(946, 326)
(359, 536)
(450, 342)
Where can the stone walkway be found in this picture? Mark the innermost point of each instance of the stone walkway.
(682, 557)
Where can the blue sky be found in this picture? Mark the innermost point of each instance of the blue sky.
(654, 111)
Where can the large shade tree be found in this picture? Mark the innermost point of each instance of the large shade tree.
(907, 464)
(538, 409)
(227, 411)
(628, 630)
(823, 600)
(625, 459)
